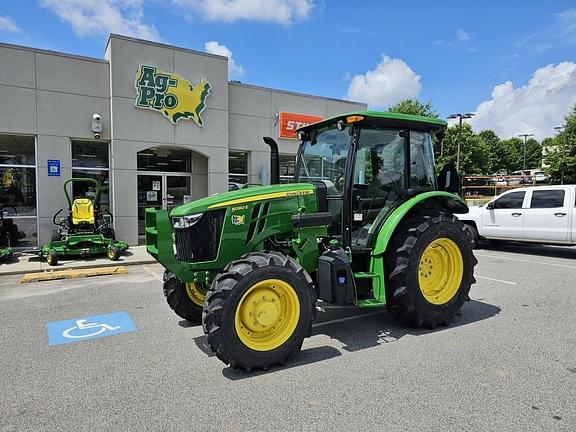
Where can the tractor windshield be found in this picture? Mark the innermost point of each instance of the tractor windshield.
(323, 157)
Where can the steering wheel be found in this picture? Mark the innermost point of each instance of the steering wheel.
(339, 177)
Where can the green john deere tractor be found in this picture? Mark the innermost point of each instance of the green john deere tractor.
(86, 230)
(363, 225)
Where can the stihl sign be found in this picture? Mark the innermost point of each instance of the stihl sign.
(289, 122)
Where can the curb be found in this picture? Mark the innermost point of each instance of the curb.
(76, 267)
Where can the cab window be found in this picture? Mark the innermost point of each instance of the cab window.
(547, 198)
(513, 200)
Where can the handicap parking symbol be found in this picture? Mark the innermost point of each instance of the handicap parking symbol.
(86, 328)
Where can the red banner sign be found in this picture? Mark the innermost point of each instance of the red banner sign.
(289, 122)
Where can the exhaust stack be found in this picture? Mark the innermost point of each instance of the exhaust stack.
(274, 160)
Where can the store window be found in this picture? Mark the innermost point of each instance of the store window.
(90, 160)
(165, 159)
(287, 164)
(238, 170)
(18, 190)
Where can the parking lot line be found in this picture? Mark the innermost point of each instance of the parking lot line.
(496, 280)
(526, 261)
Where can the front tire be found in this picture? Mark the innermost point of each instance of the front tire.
(186, 300)
(113, 253)
(430, 268)
(259, 310)
(52, 258)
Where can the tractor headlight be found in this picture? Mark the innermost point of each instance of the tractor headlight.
(186, 221)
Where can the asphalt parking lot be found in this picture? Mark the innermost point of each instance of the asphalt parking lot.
(507, 363)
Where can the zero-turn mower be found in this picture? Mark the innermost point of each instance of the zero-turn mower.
(85, 231)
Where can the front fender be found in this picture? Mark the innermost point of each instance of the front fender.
(447, 200)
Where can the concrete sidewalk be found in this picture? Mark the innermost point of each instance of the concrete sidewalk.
(21, 263)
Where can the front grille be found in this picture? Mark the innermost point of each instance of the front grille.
(200, 241)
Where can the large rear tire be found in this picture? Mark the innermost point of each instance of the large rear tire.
(430, 268)
(259, 310)
(186, 300)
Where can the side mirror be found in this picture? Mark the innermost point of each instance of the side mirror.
(490, 205)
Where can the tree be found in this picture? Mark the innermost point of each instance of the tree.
(495, 150)
(473, 151)
(561, 159)
(415, 107)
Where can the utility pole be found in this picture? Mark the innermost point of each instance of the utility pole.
(525, 138)
(562, 129)
(460, 117)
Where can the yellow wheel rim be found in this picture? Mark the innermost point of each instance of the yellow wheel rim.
(111, 253)
(440, 271)
(267, 315)
(196, 293)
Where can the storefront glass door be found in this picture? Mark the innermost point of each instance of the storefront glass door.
(160, 190)
(177, 190)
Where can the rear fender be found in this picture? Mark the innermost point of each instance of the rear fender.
(449, 201)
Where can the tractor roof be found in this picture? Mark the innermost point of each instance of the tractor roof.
(387, 119)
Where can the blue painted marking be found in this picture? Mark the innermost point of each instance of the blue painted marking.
(86, 328)
(53, 167)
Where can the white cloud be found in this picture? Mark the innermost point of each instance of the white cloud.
(9, 26)
(462, 36)
(234, 69)
(279, 11)
(389, 83)
(94, 17)
(534, 108)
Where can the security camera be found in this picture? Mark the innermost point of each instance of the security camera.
(97, 125)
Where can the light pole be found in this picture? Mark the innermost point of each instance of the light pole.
(525, 138)
(460, 117)
(562, 129)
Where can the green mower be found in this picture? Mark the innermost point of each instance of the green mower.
(365, 225)
(86, 231)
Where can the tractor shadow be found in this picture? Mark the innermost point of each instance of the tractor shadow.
(566, 252)
(358, 330)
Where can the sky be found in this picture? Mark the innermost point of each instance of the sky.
(512, 62)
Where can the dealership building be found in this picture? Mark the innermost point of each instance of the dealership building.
(158, 125)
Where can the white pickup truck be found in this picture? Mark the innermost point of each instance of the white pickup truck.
(540, 214)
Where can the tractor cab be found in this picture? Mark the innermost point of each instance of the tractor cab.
(367, 166)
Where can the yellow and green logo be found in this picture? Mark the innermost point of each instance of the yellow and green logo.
(171, 94)
(238, 219)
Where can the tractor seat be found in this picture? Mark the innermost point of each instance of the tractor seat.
(82, 211)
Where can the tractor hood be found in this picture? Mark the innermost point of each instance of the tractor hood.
(244, 196)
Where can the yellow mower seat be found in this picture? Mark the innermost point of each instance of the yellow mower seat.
(82, 211)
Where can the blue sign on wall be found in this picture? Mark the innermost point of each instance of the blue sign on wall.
(53, 167)
(86, 328)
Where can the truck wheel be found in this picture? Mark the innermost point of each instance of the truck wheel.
(259, 310)
(186, 300)
(430, 268)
